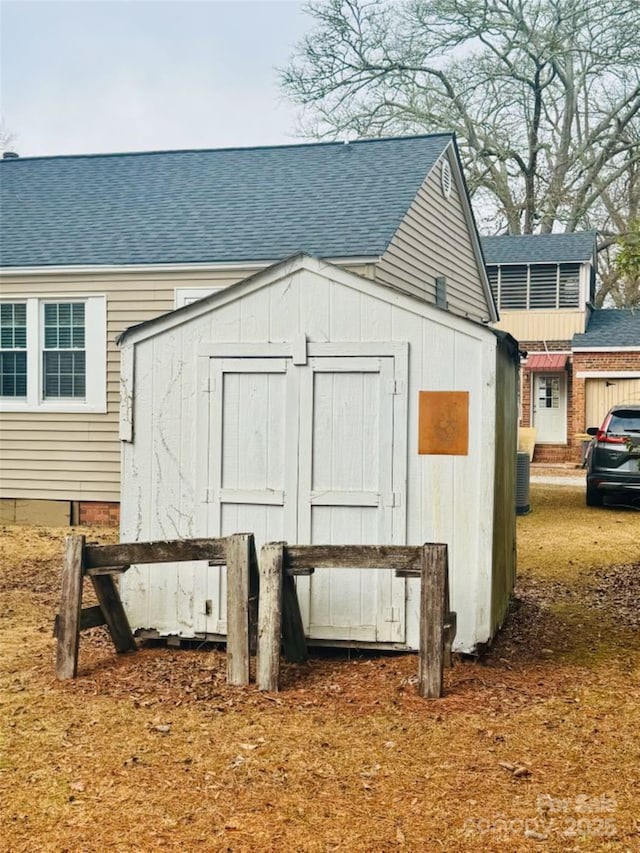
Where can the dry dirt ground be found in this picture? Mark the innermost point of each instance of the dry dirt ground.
(535, 746)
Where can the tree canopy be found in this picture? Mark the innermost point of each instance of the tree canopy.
(543, 95)
(627, 263)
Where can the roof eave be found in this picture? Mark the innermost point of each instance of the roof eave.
(83, 269)
(587, 348)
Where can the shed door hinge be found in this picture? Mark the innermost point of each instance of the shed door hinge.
(392, 614)
(207, 385)
(207, 496)
(395, 386)
(392, 499)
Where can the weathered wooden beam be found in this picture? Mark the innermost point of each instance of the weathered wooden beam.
(432, 605)
(399, 557)
(294, 643)
(115, 617)
(169, 551)
(408, 573)
(90, 617)
(238, 562)
(270, 616)
(106, 570)
(70, 606)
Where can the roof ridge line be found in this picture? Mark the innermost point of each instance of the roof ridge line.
(316, 144)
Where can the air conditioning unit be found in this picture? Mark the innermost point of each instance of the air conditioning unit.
(522, 484)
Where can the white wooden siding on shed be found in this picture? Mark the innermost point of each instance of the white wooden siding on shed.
(449, 499)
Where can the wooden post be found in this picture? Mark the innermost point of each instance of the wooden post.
(450, 621)
(70, 606)
(432, 595)
(254, 594)
(294, 644)
(270, 615)
(238, 556)
(114, 615)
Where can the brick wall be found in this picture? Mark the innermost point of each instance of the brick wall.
(553, 453)
(539, 346)
(98, 512)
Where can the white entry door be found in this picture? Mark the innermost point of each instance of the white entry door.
(307, 453)
(550, 407)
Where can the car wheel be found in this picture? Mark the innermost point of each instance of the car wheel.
(594, 497)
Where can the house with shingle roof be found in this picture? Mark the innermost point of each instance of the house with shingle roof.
(92, 245)
(580, 361)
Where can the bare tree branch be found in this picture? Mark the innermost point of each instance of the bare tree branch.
(543, 96)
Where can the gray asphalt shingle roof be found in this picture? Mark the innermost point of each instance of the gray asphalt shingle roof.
(539, 248)
(611, 327)
(244, 204)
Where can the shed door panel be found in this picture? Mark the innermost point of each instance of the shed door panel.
(602, 394)
(250, 459)
(345, 495)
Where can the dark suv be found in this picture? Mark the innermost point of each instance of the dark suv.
(613, 457)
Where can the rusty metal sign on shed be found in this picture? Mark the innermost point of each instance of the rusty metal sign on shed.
(443, 425)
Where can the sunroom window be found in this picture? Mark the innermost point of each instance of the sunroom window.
(531, 286)
(513, 287)
(569, 285)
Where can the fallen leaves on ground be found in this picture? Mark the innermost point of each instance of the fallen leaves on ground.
(534, 745)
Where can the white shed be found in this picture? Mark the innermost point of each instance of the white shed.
(287, 405)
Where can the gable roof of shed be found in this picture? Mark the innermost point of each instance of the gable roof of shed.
(227, 205)
(610, 328)
(539, 248)
(276, 272)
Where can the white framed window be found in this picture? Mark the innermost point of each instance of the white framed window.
(53, 354)
(187, 295)
(13, 350)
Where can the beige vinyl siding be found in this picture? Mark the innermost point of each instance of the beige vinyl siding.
(433, 240)
(75, 456)
(602, 394)
(556, 325)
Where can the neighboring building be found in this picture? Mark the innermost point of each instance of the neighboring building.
(544, 286)
(91, 245)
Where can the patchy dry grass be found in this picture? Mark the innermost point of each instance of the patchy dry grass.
(346, 757)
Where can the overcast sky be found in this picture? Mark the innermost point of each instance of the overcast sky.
(85, 77)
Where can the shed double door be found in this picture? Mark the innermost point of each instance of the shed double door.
(305, 453)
